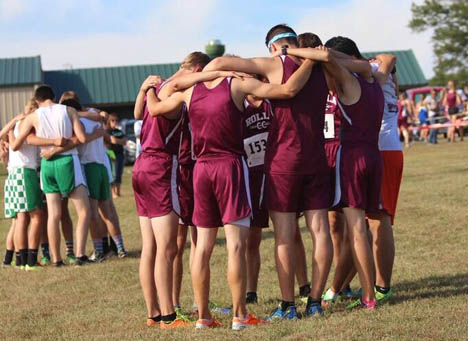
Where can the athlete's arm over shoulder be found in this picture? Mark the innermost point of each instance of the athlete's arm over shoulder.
(23, 131)
(78, 128)
(279, 91)
(387, 63)
(170, 104)
(150, 81)
(188, 80)
(258, 66)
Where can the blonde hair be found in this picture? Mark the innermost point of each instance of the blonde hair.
(195, 59)
(69, 95)
(31, 105)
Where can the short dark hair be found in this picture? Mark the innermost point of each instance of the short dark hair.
(278, 29)
(344, 45)
(43, 93)
(72, 103)
(309, 39)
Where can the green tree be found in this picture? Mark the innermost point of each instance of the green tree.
(448, 20)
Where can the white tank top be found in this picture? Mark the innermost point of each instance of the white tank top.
(26, 157)
(53, 123)
(388, 137)
(94, 151)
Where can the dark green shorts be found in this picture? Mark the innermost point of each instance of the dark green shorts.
(98, 181)
(61, 174)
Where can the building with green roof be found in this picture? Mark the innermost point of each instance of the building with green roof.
(115, 88)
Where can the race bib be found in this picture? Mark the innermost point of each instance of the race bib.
(255, 147)
(329, 129)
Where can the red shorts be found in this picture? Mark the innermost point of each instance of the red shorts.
(154, 183)
(298, 192)
(186, 193)
(392, 173)
(331, 151)
(221, 190)
(260, 216)
(361, 177)
(403, 122)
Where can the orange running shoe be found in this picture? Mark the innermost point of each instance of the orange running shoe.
(177, 323)
(151, 322)
(206, 324)
(249, 321)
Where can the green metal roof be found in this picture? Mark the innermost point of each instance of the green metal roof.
(409, 72)
(108, 85)
(20, 71)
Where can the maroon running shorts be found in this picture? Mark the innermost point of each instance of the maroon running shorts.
(361, 177)
(298, 192)
(221, 191)
(154, 182)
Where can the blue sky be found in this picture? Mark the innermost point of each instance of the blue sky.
(88, 33)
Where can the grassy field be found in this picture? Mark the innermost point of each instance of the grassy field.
(105, 302)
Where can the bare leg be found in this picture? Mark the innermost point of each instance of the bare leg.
(361, 250)
(80, 200)
(178, 270)
(35, 231)
(10, 240)
(193, 244)
(206, 238)
(147, 267)
(54, 212)
(21, 231)
(285, 232)
(406, 136)
(165, 233)
(300, 259)
(317, 221)
(253, 258)
(65, 219)
(114, 217)
(236, 241)
(106, 212)
(383, 248)
(337, 231)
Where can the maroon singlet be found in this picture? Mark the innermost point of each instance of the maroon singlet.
(295, 141)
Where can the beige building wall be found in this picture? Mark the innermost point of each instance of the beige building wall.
(12, 101)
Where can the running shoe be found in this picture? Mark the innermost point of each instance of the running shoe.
(97, 257)
(81, 261)
(359, 304)
(246, 322)
(71, 258)
(329, 298)
(279, 314)
(313, 310)
(208, 324)
(381, 298)
(121, 253)
(177, 323)
(44, 261)
(151, 322)
(181, 315)
(58, 264)
(214, 308)
(32, 268)
(347, 293)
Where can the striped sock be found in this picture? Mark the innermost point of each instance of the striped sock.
(118, 240)
(70, 249)
(98, 246)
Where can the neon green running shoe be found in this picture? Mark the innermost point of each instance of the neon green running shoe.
(329, 298)
(381, 298)
(44, 261)
(181, 315)
(71, 258)
(32, 268)
(359, 304)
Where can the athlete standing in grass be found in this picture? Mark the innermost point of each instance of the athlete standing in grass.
(220, 178)
(297, 175)
(62, 175)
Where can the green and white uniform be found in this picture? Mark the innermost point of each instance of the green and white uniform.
(22, 190)
(62, 173)
(93, 158)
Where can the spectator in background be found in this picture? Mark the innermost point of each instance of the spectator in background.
(137, 128)
(433, 108)
(452, 100)
(117, 143)
(423, 117)
(405, 113)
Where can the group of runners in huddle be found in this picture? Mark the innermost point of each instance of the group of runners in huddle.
(311, 130)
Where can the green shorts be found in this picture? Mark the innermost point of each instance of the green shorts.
(22, 192)
(61, 174)
(97, 178)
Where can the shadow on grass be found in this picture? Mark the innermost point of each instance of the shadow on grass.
(429, 287)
